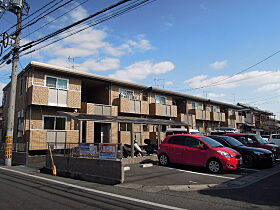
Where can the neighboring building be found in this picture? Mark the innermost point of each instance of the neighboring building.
(259, 121)
(56, 104)
(1, 123)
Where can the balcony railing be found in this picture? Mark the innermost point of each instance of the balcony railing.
(127, 105)
(163, 110)
(99, 109)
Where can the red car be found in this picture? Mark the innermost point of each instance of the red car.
(197, 150)
(253, 140)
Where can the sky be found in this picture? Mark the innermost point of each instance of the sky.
(216, 49)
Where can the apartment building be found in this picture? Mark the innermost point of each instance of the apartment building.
(258, 121)
(55, 104)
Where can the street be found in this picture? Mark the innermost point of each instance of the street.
(26, 188)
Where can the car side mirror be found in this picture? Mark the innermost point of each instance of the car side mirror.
(202, 146)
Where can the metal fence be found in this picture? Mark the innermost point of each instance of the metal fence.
(17, 147)
(87, 150)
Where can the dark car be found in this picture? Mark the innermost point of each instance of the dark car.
(253, 140)
(252, 157)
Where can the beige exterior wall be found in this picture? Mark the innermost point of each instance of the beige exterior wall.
(38, 93)
(114, 132)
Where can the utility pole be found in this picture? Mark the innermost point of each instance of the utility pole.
(14, 6)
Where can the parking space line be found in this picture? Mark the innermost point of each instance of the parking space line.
(193, 172)
(250, 169)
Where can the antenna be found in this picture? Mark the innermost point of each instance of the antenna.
(71, 61)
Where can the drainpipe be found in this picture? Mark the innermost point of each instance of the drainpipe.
(80, 131)
(132, 140)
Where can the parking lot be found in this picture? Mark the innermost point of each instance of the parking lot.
(179, 177)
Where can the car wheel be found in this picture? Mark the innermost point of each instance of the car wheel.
(163, 160)
(214, 166)
(248, 161)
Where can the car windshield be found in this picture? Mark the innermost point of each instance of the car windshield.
(261, 140)
(232, 141)
(212, 142)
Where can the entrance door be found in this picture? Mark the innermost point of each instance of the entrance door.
(102, 132)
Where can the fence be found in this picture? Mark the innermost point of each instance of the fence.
(17, 147)
(87, 150)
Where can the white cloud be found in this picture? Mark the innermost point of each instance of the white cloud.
(219, 64)
(269, 87)
(168, 83)
(143, 69)
(89, 65)
(253, 78)
(100, 65)
(215, 95)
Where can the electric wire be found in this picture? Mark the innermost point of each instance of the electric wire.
(36, 42)
(244, 70)
(55, 19)
(31, 15)
(100, 21)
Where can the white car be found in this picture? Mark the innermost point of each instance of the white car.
(274, 139)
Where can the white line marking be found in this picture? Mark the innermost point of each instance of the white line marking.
(96, 191)
(249, 169)
(192, 172)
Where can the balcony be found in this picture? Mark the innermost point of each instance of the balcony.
(99, 109)
(133, 106)
(200, 114)
(38, 139)
(186, 118)
(217, 116)
(163, 110)
(240, 119)
(41, 95)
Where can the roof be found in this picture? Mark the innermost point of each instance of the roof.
(253, 108)
(121, 82)
(103, 118)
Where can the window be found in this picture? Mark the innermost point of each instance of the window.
(160, 100)
(195, 105)
(125, 127)
(146, 128)
(192, 142)
(57, 83)
(126, 93)
(4, 98)
(54, 123)
(213, 109)
(21, 87)
(20, 123)
(177, 140)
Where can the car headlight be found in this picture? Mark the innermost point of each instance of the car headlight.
(273, 149)
(225, 154)
(257, 153)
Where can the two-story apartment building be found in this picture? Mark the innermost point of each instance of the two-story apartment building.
(59, 105)
(259, 121)
(56, 104)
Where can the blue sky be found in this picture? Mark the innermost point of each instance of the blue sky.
(182, 45)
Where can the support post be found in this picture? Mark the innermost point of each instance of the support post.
(80, 131)
(132, 140)
(13, 91)
(158, 134)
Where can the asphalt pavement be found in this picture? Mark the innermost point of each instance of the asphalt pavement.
(26, 188)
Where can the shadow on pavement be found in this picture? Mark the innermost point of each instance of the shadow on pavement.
(264, 192)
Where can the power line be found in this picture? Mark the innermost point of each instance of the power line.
(56, 18)
(36, 42)
(31, 14)
(246, 69)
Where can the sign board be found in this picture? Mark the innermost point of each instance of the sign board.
(107, 151)
(87, 149)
